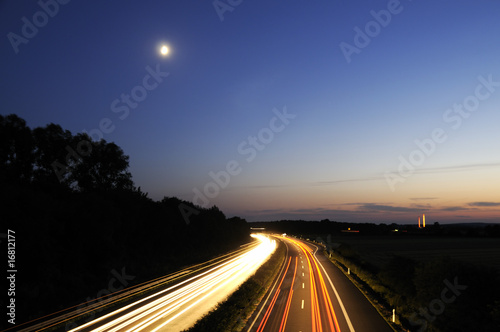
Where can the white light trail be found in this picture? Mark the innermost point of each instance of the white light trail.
(186, 302)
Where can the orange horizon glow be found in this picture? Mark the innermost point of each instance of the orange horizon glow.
(400, 212)
(471, 197)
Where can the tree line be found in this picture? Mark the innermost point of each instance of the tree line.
(53, 157)
(79, 218)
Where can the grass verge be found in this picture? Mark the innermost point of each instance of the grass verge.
(416, 289)
(371, 288)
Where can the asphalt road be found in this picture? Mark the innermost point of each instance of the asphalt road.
(312, 294)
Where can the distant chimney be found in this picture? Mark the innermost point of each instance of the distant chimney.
(423, 224)
(419, 223)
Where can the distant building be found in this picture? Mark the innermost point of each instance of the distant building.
(423, 221)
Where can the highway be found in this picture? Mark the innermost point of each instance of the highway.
(173, 308)
(310, 294)
(313, 295)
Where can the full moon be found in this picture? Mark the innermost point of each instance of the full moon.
(164, 50)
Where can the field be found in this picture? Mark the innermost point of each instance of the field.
(377, 250)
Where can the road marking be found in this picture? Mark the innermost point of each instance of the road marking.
(302, 305)
(351, 328)
(302, 286)
(302, 266)
(302, 273)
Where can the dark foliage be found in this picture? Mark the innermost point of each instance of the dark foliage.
(438, 295)
(398, 275)
(78, 218)
(457, 296)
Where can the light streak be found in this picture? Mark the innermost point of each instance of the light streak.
(319, 296)
(318, 291)
(289, 301)
(157, 311)
(273, 301)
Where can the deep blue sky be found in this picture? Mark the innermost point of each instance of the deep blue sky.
(353, 120)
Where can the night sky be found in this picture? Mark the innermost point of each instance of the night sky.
(365, 111)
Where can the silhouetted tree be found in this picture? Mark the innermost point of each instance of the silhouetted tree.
(102, 167)
(51, 145)
(16, 149)
(80, 217)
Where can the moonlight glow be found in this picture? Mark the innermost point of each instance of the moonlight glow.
(164, 50)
